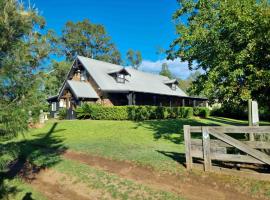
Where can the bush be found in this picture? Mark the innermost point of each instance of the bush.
(136, 113)
(201, 112)
(62, 113)
(98, 112)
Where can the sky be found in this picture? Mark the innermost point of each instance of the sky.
(143, 25)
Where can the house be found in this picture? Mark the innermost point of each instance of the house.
(94, 81)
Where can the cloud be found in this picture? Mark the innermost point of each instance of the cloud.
(179, 69)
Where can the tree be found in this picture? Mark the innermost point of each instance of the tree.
(24, 45)
(134, 58)
(186, 84)
(230, 41)
(165, 71)
(55, 77)
(90, 40)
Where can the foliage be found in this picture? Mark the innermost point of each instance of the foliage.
(134, 58)
(24, 45)
(165, 71)
(62, 113)
(137, 113)
(98, 112)
(90, 40)
(230, 42)
(239, 112)
(201, 112)
(186, 84)
(56, 76)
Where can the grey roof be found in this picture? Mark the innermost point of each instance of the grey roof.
(82, 89)
(122, 70)
(138, 81)
(170, 81)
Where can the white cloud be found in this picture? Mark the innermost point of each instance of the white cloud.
(178, 68)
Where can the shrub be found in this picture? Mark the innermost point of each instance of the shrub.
(62, 113)
(83, 112)
(98, 112)
(201, 112)
(136, 113)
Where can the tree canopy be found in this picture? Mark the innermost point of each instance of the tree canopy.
(56, 76)
(90, 40)
(134, 58)
(230, 41)
(23, 48)
(165, 71)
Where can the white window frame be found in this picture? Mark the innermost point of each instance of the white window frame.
(62, 103)
(53, 106)
(120, 78)
(83, 76)
(173, 86)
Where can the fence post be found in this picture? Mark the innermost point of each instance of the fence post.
(188, 146)
(206, 149)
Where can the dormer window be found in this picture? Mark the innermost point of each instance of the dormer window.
(83, 76)
(120, 78)
(119, 75)
(171, 83)
(173, 86)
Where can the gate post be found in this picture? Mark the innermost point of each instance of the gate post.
(188, 146)
(206, 149)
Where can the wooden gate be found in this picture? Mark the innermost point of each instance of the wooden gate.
(216, 147)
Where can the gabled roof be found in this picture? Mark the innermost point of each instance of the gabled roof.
(138, 81)
(121, 71)
(171, 81)
(82, 89)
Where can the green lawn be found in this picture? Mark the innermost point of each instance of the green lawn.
(154, 143)
(158, 144)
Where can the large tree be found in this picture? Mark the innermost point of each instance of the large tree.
(91, 40)
(23, 48)
(186, 84)
(165, 71)
(56, 76)
(230, 41)
(134, 58)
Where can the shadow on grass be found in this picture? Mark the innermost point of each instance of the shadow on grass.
(178, 157)
(31, 156)
(171, 130)
(228, 121)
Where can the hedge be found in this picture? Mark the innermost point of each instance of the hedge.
(137, 113)
(201, 112)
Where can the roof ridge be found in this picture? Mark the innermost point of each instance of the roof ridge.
(100, 61)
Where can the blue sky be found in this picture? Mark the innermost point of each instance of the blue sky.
(143, 25)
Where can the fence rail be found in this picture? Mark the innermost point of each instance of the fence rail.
(215, 144)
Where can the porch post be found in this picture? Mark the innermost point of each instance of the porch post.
(134, 99)
(194, 103)
(129, 97)
(183, 102)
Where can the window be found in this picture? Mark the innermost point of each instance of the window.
(120, 78)
(53, 106)
(62, 103)
(83, 76)
(173, 86)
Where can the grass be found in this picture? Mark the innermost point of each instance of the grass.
(22, 190)
(115, 186)
(157, 144)
(153, 143)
